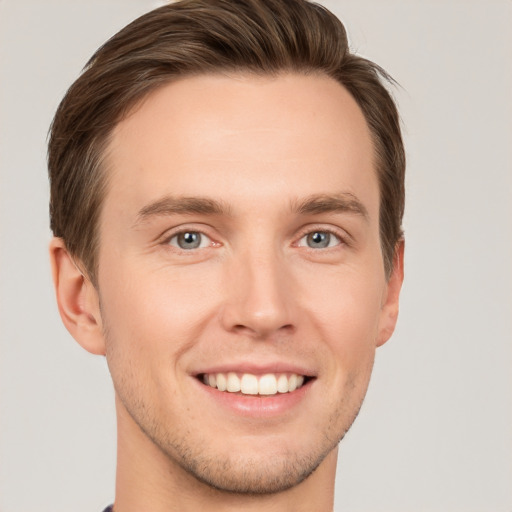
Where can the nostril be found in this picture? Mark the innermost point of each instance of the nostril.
(263, 331)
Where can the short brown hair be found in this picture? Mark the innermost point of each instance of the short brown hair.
(203, 36)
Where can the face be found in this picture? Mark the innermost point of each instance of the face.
(241, 283)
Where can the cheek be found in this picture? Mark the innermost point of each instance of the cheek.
(150, 319)
(346, 311)
(155, 312)
(347, 316)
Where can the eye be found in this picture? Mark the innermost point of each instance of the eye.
(319, 240)
(188, 240)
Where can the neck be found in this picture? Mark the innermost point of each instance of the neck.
(147, 479)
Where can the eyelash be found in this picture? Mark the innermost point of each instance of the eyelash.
(167, 240)
(342, 239)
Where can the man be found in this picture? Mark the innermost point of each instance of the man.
(226, 199)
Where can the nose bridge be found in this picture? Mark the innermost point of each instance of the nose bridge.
(258, 300)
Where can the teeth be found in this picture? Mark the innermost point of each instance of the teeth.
(249, 384)
(267, 384)
(292, 383)
(222, 383)
(282, 384)
(233, 383)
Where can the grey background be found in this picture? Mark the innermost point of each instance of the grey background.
(435, 433)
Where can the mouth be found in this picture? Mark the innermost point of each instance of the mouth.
(268, 384)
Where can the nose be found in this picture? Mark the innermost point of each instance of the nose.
(259, 296)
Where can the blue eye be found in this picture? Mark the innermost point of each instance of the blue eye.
(319, 240)
(188, 240)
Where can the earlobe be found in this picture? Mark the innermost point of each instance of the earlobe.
(390, 306)
(77, 299)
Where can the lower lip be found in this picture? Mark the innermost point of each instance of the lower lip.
(257, 406)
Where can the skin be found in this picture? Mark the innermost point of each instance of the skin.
(254, 292)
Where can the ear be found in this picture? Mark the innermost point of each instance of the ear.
(389, 311)
(77, 300)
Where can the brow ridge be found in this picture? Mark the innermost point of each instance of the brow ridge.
(315, 204)
(182, 205)
(344, 202)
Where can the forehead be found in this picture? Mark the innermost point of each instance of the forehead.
(215, 134)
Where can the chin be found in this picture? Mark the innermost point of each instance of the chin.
(265, 474)
(265, 467)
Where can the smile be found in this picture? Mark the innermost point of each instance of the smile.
(250, 384)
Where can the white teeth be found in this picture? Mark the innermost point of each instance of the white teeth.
(249, 384)
(222, 383)
(282, 384)
(268, 384)
(233, 385)
(292, 383)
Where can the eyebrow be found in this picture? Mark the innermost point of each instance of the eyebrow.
(170, 205)
(312, 205)
(344, 202)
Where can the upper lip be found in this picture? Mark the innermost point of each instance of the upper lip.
(256, 369)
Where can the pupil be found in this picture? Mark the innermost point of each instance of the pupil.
(319, 239)
(189, 240)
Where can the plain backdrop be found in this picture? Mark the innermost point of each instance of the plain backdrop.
(435, 432)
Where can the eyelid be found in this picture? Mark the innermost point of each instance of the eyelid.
(169, 234)
(205, 241)
(342, 235)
